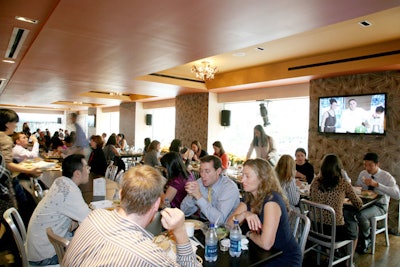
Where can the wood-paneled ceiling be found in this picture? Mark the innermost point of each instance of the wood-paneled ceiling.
(80, 51)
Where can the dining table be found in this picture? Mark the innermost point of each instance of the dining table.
(254, 256)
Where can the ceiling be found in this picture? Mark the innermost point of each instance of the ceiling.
(80, 51)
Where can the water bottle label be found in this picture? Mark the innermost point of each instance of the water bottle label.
(235, 246)
(211, 250)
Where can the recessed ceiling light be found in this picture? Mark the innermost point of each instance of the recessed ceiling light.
(259, 48)
(8, 61)
(33, 21)
(239, 54)
(365, 23)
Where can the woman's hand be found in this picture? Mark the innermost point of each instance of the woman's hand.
(253, 221)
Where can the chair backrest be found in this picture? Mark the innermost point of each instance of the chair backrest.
(113, 172)
(118, 177)
(59, 243)
(17, 226)
(320, 215)
(108, 169)
(300, 225)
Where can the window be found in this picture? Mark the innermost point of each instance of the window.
(288, 119)
(163, 125)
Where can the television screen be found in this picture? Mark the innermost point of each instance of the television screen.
(355, 114)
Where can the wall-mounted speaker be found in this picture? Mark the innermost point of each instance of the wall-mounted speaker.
(225, 117)
(148, 119)
(59, 120)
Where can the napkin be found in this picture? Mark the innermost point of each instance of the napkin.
(102, 204)
(99, 187)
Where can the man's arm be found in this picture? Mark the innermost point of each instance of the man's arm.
(188, 205)
(387, 185)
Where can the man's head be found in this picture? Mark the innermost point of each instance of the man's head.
(76, 168)
(210, 169)
(352, 104)
(21, 139)
(73, 117)
(371, 162)
(141, 189)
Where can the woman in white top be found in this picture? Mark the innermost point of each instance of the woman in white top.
(264, 145)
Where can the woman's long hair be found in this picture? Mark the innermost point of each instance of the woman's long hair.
(285, 168)
(221, 148)
(268, 183)
(331, 172)
(153, 145)
(175, 145)
(172, 161)
(263, 140)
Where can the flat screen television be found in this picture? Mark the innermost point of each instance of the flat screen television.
(353, 114)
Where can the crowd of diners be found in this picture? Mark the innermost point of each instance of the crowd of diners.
(270, 185)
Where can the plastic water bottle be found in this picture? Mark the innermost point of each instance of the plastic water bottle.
(236, 238)
(211, 250)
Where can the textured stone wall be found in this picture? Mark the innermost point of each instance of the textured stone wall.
(191, 119)
(351, 148)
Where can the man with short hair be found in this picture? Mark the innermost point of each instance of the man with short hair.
(119, 238)
(215, 195)
(382, 183)
(20, 151)
(62, 208)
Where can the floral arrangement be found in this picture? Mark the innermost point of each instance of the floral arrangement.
(236, 160)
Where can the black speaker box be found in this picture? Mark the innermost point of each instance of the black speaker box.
(148, 119)
(59, 120)
(225, 117)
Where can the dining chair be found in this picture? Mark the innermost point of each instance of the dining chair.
(118, 177)
(13, 219)
(375, 230)
(300, 225)
(321, 237)
(59, 243)
(108, 170)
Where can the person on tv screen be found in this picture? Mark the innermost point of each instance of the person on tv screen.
(354, 118)
(377, 120)
(328, 121)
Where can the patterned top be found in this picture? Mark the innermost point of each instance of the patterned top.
(106, 238)
(292, 192)
(334, 198)
(62, 204)
(6, 145)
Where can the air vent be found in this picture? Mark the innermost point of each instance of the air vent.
(17, 39)
(176, 78)
(109, 93)
(344, 60)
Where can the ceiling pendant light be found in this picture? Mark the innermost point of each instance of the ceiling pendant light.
(204, 70)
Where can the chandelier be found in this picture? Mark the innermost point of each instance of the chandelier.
(205, 70)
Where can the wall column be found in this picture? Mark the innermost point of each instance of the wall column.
(127, 121)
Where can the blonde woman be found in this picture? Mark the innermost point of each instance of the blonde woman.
(286, 170)
(265, 211)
